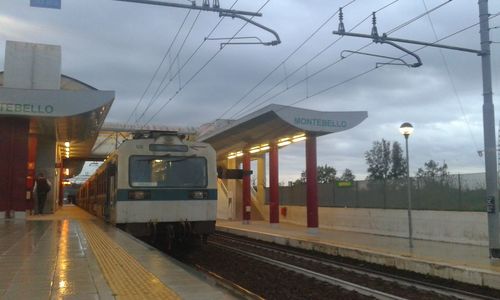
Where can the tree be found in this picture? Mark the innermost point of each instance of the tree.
(383, 163)
(347, 176)
(398, 168)
(433, 170)
(325, 174)
(379, 160)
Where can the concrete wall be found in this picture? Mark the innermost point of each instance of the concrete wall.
(32, 66)
(457, 227)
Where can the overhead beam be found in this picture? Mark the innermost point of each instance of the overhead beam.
(196, 7)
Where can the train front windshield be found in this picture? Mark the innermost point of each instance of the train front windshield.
(169, 171)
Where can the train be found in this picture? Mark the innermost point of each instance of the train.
(157, 186)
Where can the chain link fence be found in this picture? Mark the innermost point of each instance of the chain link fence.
(462, 192)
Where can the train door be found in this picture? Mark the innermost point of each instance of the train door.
(110, 191)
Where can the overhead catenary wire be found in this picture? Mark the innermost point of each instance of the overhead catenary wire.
(452, 82)
(176, 58)
(399, 27)
(199, 71)
(159, 92)
(158, 68)
(242, 111)
(284, 61)
(375, 68)
(427, 13)
(303, 65)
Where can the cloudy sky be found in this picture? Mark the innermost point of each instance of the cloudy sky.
(114, 45)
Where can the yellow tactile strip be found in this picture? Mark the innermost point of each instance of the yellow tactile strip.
(126, 277)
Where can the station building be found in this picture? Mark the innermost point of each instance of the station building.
(48, 124)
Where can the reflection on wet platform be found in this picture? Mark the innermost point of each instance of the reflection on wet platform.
(51, 257)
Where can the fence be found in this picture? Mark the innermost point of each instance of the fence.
(462, 192)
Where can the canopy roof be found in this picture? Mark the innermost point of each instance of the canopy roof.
(277, 122)
(72, 114)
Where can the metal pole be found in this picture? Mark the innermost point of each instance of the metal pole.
(408, 182)
(490, 154)
(247, 201)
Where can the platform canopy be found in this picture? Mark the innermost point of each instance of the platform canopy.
(280, 124)
(71, 114)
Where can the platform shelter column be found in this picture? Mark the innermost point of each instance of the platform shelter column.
(273, 185)
(247, 206)
(312, 184)
(13, 161)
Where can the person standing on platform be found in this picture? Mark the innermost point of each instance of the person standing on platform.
(41, 189)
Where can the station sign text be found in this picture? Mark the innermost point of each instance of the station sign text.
(18, 108)
(320, 122)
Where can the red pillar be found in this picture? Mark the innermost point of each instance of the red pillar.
(246, 188)
(312, 184)
(30, 178)
(14, 134)
(274, 217)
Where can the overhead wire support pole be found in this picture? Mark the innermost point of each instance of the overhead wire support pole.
(204, 7)
(490, 154)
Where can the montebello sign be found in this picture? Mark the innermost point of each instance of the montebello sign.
(52, 103)
(26, 108)
(320, 122)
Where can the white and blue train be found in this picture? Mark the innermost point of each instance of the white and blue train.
(157, 186)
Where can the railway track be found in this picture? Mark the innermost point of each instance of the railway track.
(364, 281)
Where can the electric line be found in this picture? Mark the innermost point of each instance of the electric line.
(426, 13)
(306, 63)
(284, 61)
(157, 94)
(199, 70)
(158, 68)
(452, 82)
(375, 68)
(399, 27)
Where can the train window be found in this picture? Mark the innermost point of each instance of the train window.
(168, 148)
(171, 171)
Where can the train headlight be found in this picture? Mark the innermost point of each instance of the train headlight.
(199, 195)
(139, 195)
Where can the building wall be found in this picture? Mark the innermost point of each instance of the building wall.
(447, 226)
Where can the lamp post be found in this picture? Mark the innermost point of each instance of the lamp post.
(406, 129)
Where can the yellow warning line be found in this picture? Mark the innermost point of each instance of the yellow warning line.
(126, 277)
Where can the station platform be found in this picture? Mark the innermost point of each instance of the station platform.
(460, 262)
(73, 255)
